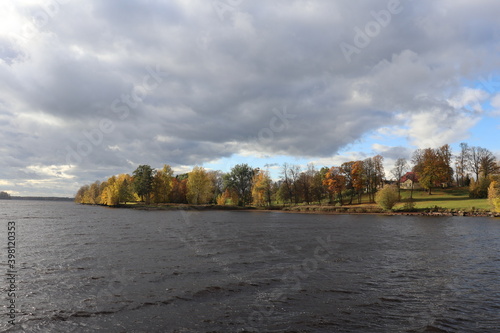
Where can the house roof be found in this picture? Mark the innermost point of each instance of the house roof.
(409, 176)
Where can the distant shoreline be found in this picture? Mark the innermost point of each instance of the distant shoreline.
(39, 198)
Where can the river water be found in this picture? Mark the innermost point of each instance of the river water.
(94, 269)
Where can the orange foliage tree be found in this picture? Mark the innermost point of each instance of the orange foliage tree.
(335, 183)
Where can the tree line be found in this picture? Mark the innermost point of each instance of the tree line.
(344, 184)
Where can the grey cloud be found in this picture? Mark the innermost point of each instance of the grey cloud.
(223, 77)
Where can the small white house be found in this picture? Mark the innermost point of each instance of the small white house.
(408, 180)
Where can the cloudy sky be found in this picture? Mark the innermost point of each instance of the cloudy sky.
(92, 88)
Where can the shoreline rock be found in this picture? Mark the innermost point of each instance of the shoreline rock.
(329, 210)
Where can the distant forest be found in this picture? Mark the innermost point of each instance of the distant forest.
(473, 167)
(7, 196)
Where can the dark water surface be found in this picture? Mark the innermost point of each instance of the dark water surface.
(94, 269)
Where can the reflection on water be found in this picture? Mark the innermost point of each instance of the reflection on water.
(87, 269)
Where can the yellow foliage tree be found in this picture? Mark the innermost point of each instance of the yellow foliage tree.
(199, 186)
(494, 194)
(223, 197)
(109, 195)
(261, 189)
(162, 184)
(228, 196)
(117, 189)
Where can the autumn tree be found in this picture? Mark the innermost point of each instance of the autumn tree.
(378, 162)
(80, 195)
(227, 196)
(143, 182)
(484, 166)
(240, 181)
(199, 186)
(426, 167)
(488, 165)
(109, 195)
(305, 183)
(90, 194)
(479, 189)
(117, 189)
(282, 193)
(290, 174)
(462, 164)
(125, 190)
(217, 179)
(400, 168)
(179, 189)
(262, 188)
(295, 172)
(318, 188)
(494, 193)
(335, 182)
(369, 178)
(347, 171)
(433, 166)
(445, 159)
(373, 175)
(162, 184)
(357, 174)
(93, 196)
(481, 161)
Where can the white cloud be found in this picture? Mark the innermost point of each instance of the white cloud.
(495, 103)
(52, 171)
(438, 127)
(337, 160)
(470, 99)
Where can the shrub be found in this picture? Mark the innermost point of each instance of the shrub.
(387, 197)
(409, 206)
(479, 190)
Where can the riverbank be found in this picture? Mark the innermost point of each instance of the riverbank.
(313, 209)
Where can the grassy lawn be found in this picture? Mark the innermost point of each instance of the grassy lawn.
(452, 198)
